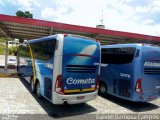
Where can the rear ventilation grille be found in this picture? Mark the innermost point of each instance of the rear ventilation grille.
(151, 70)
(115, 86)
(124, 88)
(80, 68)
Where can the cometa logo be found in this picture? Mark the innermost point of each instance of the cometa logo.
(70, 81)
(151, 64)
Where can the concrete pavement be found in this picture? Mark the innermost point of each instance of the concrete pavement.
(17, 99)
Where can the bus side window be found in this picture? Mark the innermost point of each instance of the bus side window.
(24, 51)
(44, 50)
(137, 53)
(24, 59)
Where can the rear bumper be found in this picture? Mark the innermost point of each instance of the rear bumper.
(146, 98)
(72, 99)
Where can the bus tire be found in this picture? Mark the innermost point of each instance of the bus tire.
(32, 85)
(38, 91)
(102, 89)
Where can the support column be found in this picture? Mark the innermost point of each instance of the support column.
(6, 55)
(51, 31)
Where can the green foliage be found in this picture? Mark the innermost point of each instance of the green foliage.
(25, 14)
(2, 39)
(20, 13)
(2, 49)
(24, 52)
(12, 51)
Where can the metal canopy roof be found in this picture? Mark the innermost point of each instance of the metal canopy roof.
(26, 28)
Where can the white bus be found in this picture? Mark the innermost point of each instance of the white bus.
(61, 68)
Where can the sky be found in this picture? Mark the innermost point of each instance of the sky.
(136, 16)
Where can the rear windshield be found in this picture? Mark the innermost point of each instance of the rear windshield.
(117, 55)
(73, 45)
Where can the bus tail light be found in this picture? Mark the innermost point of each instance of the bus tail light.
(139, 86)
(65, 35)
(97, 82)
(58, 85)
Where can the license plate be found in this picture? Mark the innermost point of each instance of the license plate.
(80, 97)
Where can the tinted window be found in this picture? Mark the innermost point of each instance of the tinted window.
(43, 50)
(24, 51)
(24, 61)
(117, 55)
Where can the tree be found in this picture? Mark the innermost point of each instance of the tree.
(20, 13)
(25, 14)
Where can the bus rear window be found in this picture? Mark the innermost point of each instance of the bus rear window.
(73, 45)
(117, 55)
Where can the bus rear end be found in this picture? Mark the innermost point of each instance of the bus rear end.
(148, 86)
(79, 80)
(131, 71)
(118, 63)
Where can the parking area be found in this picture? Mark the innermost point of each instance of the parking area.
(16, 98)
(2, 59)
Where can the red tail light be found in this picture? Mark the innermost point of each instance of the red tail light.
(65, 35)
(139, 86)
(58, 85)
(97, 82)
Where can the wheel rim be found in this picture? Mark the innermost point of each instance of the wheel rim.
(102, 89)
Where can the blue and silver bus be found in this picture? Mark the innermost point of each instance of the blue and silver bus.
(61, 68)
(130, 71)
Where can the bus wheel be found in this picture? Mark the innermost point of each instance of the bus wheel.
(32, 85)
(38, 90)
(102, 89)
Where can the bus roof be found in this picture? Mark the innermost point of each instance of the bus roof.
(137, 45)
(54, 37)
(41, 39)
